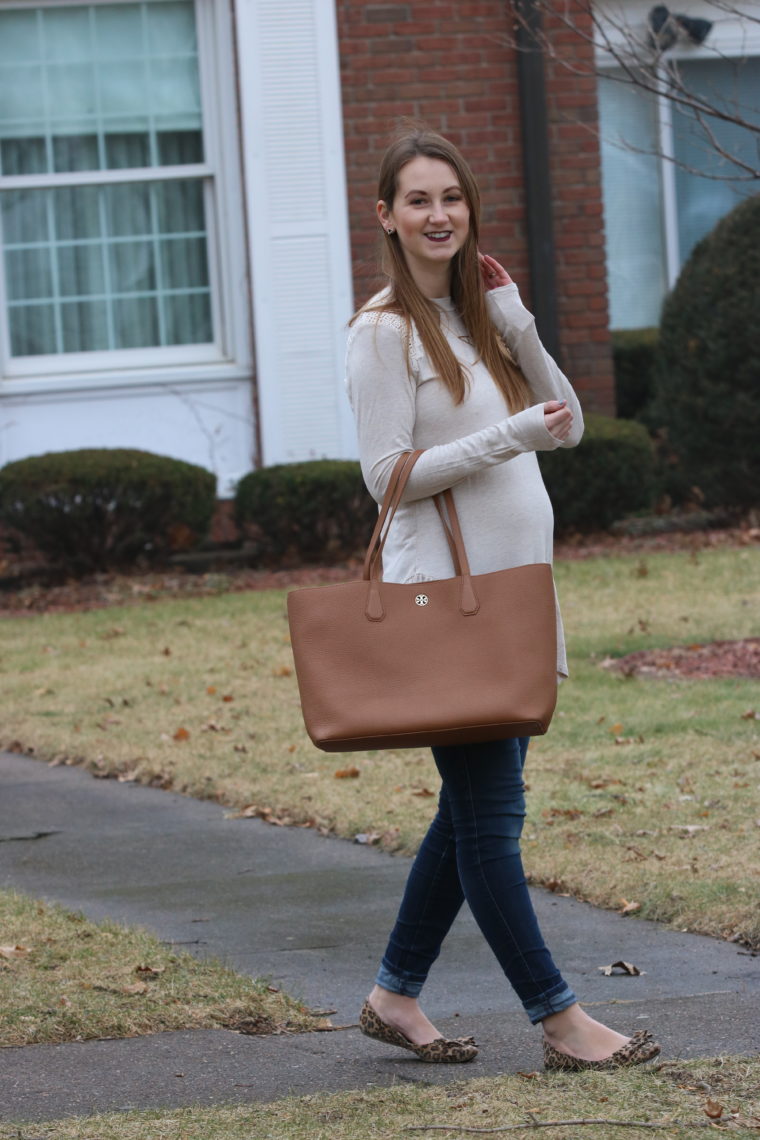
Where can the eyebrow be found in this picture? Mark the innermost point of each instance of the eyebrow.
(410, 193)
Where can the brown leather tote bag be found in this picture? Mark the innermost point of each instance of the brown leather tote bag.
(396, 665)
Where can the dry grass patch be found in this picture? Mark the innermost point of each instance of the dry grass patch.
(676, 1100)
(64, 978)
(644, 792)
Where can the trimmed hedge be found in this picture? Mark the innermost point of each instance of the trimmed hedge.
(314, 511)
(708, 376)
(101, 508)
(634, 354)
(610, 474)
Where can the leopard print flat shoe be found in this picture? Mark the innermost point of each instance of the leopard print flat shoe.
(440, 1051)
(641, 1048)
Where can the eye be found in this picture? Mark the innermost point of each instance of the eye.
(418, 201)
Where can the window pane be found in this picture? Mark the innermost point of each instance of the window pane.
(188, 319)
(133, 267)
(93, 87)
(75, 211)
(84, 326)
(636, 276)
(33, 329)
(30, 274)
(734, 87)
(125, 150)
(128, 208)
(80, 269)
(136, 322)
(103, 270)
(183, 263)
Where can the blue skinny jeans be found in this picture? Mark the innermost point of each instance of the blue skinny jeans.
(472, 852)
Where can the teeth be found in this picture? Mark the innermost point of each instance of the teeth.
(442, 233)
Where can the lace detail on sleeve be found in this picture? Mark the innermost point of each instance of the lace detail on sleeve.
(394, 321)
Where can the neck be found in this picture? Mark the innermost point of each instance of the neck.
(432, 280)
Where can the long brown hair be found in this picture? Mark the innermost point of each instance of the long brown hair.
(406, 299)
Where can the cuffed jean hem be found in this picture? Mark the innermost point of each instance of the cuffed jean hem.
(407, 986)
(545, 1005)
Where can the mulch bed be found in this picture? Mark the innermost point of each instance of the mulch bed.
(716, 659)
(24, 593)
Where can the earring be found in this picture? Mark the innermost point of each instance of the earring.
(390, 231)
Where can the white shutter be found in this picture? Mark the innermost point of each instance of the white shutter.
(298, 225)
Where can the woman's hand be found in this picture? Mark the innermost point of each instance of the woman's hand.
(493, 274)
(558, 418)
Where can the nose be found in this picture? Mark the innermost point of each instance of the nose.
(437, 212)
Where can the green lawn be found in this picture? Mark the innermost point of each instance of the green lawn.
(644, 792)
(64, 978)
(679, 1100)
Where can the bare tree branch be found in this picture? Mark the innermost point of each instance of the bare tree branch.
(641, 59)
(535, 1123)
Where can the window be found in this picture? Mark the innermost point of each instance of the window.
(107, 194)
(656, 210)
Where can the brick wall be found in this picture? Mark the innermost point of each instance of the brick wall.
(451, 64)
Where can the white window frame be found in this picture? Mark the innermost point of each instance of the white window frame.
(737, 41)
(230, 354)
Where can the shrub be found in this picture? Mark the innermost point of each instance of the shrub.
(634, 353)
(609, 474)
(316, 511)
(708, 371)
(99, 509)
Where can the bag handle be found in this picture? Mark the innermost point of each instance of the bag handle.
(402, 469)
(393, 492)
(373, 562)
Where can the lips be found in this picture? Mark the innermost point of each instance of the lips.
(439, 236)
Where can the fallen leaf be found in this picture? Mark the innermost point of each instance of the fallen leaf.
(15, 951)
(368, 837)
(214, 726)
(166, 651)
(629, 908)
(713, 1109)
(616, 729)
(150, 971)
(211, 690)
(626, 968)
(529, 1076)
(227, 698)
(751, 714)
(423, 792)
(181, 734)
(135, 988)
(346, 773)
(283, 671)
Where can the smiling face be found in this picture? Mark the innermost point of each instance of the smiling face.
(431, 217)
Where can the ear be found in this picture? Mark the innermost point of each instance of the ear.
(383, 213)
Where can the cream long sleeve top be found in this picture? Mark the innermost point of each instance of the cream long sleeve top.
(486, 455)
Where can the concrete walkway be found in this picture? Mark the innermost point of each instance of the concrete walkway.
(312, 914)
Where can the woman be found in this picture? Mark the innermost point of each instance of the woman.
(447, 359)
